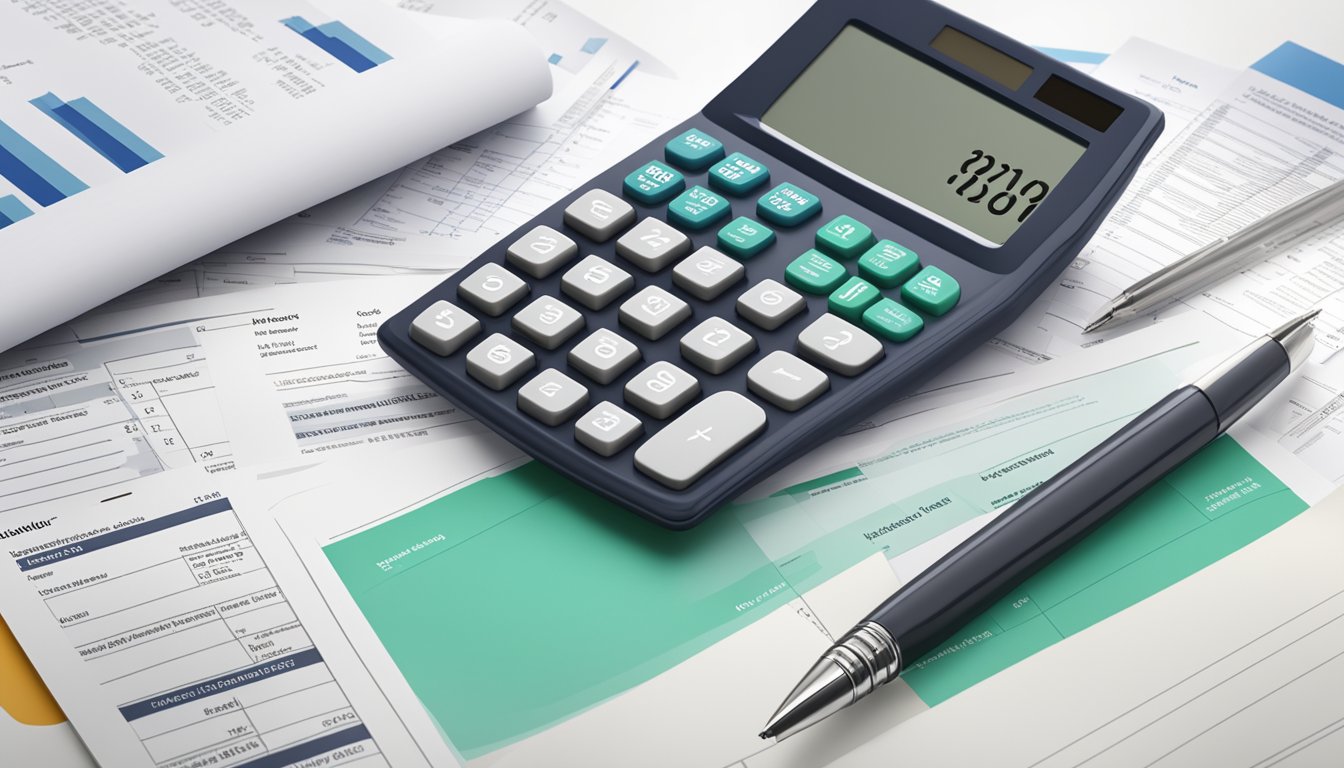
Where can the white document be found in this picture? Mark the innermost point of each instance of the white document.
(160, 629)
(1263, 143)
(76, 416)
(141, 134)
(778, 626)
(1239, 664)
(301, 376)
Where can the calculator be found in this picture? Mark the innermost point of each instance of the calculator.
(886, 188)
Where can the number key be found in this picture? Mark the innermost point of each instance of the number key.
(542, 251)
(653, 312)
(652, 245)
(661, 389)
(603, 356)
(786, 381)
(492, 289)
(599, 215)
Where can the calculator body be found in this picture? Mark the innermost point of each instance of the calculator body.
(997, 268)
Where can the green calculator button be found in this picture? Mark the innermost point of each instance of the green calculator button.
(815, 272)
(744, 237)
(851, 299)
(932, 291)
(694, 150)
(738, 174)
(697, 208)
(654, 182)
(845, 237)
(890, 320)
(788, 205)
(888, 264)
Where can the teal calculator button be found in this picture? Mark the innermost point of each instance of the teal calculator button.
(890, 320)
(697, 208)
(851, 299)
(815, 272)
(932, 291)
(888, 264)
(744, 237)
(845, 236)
(694, 150)
(738, 174)
(788, 205)
(654, 182)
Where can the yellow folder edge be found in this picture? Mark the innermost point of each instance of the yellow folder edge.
(22, 692)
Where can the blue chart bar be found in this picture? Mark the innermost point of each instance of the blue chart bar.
(340, 41)
(32, 171)
(97, 129)
(12, 210)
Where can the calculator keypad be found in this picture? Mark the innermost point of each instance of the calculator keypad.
(787, 381)
(683, 451)
(595, 282)
(499, 361)
(492, 289)
(603, 356)
(839, 345)
(542, 251)
(599, 215)
(707, 273)
(444, 328)
(551, 397)
(653, 312)
(607, 429)
(548, 321)
(661, 389)
(652, 245)
(864, 293)
(716, 345)
(769, 304)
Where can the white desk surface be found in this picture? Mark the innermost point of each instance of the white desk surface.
(1229, 33)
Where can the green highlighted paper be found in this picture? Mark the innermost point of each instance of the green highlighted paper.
(521, 600)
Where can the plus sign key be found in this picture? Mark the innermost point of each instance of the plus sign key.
(711, 431)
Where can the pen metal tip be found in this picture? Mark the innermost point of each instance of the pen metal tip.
(1097, 322)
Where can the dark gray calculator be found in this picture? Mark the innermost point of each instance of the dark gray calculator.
(887, 187)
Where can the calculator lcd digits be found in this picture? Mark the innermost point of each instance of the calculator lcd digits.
(885, 189)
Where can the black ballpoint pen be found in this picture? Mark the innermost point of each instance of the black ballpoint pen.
(1039, 527)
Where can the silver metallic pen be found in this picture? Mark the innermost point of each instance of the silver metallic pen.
(1035, 530)
(1271, 235)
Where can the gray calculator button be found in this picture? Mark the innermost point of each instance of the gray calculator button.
(707, 273)
(699, 439)
(786, 381)
(769, 304)
(607, 428)
(653, 312)
(661, 389)
(492, 289)
(603, 356)
(542, 251)
(716, 345)
(444, 328)
(595, 282)
(551, 397)
(548, 321)
(599, 215)
(499, 361)
(652, 245)
(839, 345)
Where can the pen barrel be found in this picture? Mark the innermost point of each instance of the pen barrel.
(1045, 522)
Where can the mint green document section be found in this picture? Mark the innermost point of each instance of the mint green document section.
(1216, 503)
(523, 599)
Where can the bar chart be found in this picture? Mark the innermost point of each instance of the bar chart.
(33, 171)
(99, 131)
(341, 42)
(12, 210)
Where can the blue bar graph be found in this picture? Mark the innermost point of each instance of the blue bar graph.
(12, 210)
(97, 129)
(341, 42)
(31, 170)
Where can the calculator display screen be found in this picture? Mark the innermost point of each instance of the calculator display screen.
(921, 134)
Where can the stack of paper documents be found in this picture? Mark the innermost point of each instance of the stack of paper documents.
(242, 536)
